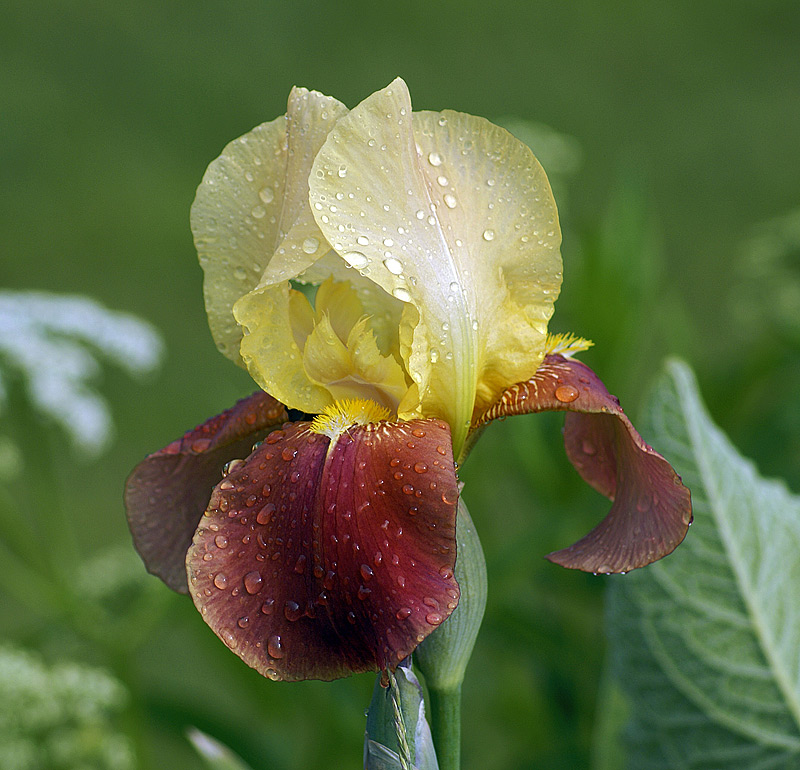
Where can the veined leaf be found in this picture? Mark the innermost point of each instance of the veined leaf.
(706, 642)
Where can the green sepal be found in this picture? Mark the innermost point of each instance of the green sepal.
(398, 736)
(443, 656)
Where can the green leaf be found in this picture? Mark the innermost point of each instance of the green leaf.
(217, 756)
(706, 642)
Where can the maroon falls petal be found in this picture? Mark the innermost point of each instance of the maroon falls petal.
(320, 558)
(652, 508)
(167, 492)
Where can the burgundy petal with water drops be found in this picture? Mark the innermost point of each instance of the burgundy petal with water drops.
(167, 492)
(321, 557)
(652, 508)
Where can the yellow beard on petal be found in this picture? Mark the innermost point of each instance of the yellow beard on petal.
(341, 415)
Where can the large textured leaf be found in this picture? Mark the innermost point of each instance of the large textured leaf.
(707, 642)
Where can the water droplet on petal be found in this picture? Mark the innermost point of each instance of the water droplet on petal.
(450, 201)
(435, 159)
(274, 647)
(253, 582)
(292, 611)
(394, 266)
(355, 259)
(267, 195)
(366, 571)
(434, 618)
(362, 240)
(401, 294)
(488, 235)
(566, 393)
(259, 212)
(264, 516)
(220, 580)
(221, 541)
(310, 245)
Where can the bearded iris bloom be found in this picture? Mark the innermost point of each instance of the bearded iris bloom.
(387, 278)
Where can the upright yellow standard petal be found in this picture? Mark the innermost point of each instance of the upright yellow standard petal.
(454, 216)
(250, 198)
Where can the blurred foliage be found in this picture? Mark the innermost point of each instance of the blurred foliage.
(684, 120)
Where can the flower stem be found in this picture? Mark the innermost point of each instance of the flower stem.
(445, 706)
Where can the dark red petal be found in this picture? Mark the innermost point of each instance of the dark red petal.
(652, 508)
(167, 492)
(317, 560)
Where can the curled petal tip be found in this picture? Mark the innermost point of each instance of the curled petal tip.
(651, 510)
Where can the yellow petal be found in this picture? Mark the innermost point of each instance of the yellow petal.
(271, 351)
(353, 369)
(454, 216)
(250, 197)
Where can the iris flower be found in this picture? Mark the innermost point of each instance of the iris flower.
(387, 278)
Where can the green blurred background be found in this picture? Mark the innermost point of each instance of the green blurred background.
(675, 161)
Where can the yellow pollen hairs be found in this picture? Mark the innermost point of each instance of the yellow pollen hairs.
(336, 418)
(566, 345)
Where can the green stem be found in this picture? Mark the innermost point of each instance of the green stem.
(445, 706)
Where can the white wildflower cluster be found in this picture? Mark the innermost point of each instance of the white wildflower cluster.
(54, 342)
(59, 717)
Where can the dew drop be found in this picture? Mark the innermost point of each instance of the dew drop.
(253, 582)
(488, 235)
(566, 393)
(267, 195)
(259, 212)
(394, 266)
(401, 294)
(362, 240)
(243, 622)
(310, 245)
(442, 180)
(274, 647)
(446, 572)
(292, 611)
(435, 159)
(421, 468)
(366, 572)
(434, 618)
(220, 581)
(264, 516)
(268, 606)
(221, 541)
(450, 201)
(355, 259)
(300, 564)
(342, 171)
(201, 444)
(239, 273)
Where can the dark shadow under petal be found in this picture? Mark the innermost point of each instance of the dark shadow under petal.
(167, 492)
(317, 559)
(651, 509)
